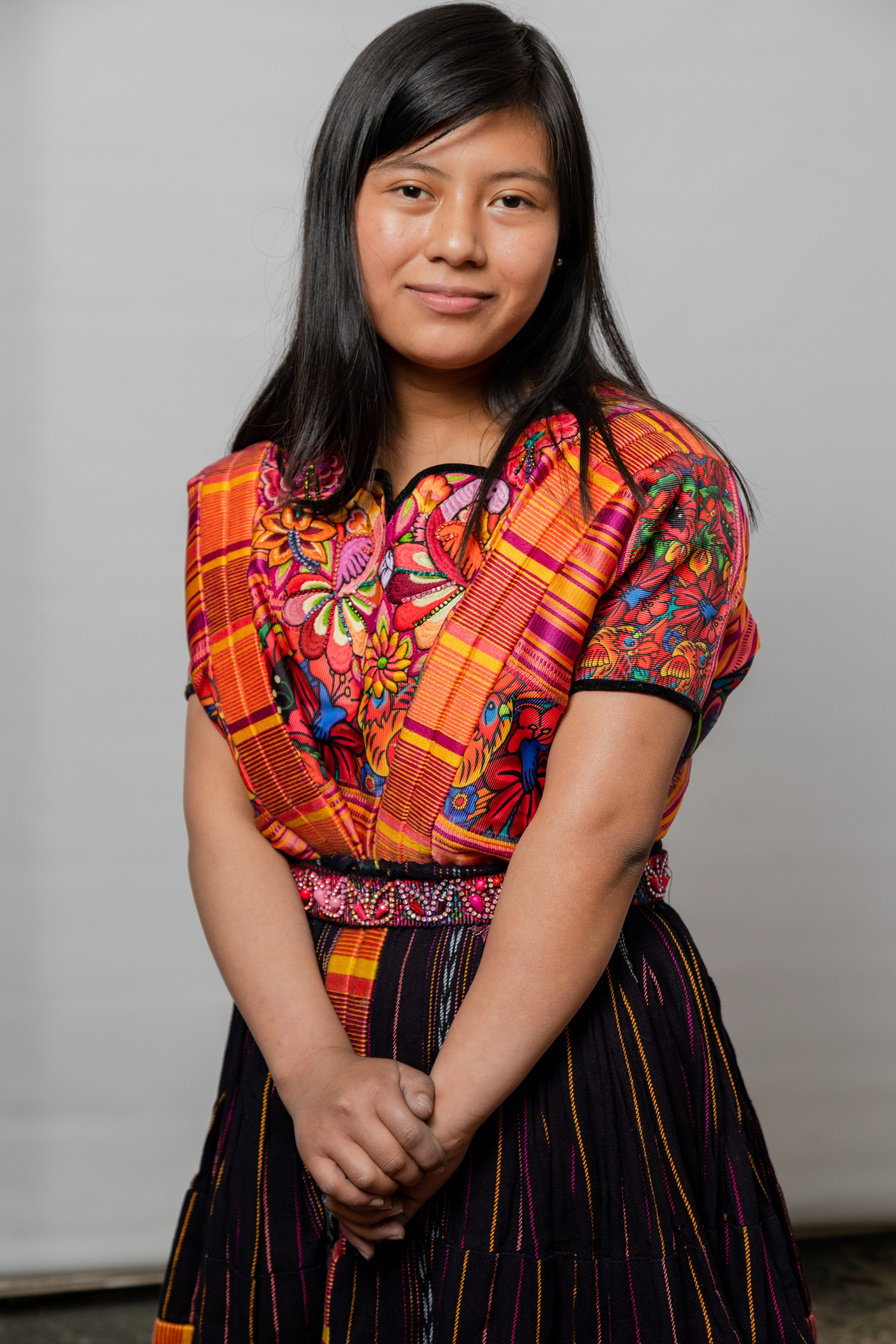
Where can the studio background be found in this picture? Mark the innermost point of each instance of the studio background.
(154, 154)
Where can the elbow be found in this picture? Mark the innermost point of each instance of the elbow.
(609, 840)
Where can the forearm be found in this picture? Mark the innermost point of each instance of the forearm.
(259, 935)
(558, 918)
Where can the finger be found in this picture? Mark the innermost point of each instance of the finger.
(391, 1231)
(368, 1217)
(418, 1090)
(333, 1181)
(386, 1150)
(416, 1139)
(359, 1160)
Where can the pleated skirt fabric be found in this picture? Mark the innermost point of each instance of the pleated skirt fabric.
(622, 1194)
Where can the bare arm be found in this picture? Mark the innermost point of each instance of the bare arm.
(562, 905)
(565, 897)
(355, 1128)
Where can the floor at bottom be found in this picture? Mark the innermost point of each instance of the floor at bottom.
(852, 1281)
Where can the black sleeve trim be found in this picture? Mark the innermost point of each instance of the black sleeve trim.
(642, 687)
(189, 690)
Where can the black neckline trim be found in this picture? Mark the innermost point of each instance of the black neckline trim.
(394, 502)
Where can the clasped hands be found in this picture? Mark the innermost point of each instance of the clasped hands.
(373, 1139)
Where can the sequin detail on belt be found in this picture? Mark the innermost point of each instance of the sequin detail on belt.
(366, 894)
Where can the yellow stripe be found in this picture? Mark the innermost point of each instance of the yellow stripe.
(212, 486)
(177, 1250)
(749, 1286)
(225, 559)
(460, 1294)
(491, 1235)
(261, 1139)
(400, 836)
(576, 1126)
(609, 483)
(702, 1303)
(526, 562)
(218, 1180)
(254, 729)
(233, 637)
(757, 1176)
(437, 749)
(348, 963)
(487, 660)
(351, 1310)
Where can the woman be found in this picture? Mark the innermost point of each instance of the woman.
(461, 604)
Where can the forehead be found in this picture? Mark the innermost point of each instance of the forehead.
(508, 139)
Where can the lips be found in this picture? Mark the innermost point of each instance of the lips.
(448, 298)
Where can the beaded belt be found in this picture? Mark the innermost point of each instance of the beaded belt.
(362, 892)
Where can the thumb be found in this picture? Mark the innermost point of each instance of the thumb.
(418, 1090)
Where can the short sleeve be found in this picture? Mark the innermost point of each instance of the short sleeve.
(674, 623)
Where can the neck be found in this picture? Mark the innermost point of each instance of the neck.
(438, 416)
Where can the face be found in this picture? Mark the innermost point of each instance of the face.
(457, 241)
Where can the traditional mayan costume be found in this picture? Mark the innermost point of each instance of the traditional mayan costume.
(391, 704)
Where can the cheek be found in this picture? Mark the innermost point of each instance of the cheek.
(527, 275)
(384, 244)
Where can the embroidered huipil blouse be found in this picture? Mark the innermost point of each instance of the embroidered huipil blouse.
(348, 606)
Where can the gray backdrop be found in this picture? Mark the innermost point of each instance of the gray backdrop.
(154, 153)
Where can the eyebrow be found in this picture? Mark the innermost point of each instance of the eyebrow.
(503, 174)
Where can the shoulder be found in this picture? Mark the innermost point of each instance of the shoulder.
(671, 461)
(257, 462)
(690, 494)
(226, 498)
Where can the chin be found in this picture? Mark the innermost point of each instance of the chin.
(449, 361)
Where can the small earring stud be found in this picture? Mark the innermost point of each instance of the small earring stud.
(558, 261)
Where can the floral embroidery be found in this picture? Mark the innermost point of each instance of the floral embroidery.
(661, 623)
(386, 661)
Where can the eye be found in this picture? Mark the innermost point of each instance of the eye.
(514, 202)
(409, 192)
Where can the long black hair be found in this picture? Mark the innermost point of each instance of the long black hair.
(424, 76)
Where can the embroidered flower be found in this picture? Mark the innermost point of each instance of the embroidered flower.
(269, 482)
(291, 537)
(430, 492)
(700, 600)
(461, 804)
(386, 661)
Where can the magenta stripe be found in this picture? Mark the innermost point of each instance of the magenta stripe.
(771, 1286)
(551, 637)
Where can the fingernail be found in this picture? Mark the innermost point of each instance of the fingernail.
(396, 1236)
(368, 1255)
(377, 1203)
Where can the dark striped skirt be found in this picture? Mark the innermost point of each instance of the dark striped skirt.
(623, 1193)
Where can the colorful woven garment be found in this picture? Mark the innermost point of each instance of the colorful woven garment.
(391, 703)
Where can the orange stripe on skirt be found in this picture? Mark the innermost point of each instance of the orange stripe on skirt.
(351, 973)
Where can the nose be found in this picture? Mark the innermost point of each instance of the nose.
(454, 235)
